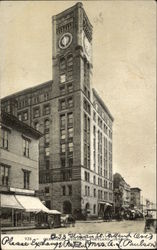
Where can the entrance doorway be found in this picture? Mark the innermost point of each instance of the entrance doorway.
(67, 207)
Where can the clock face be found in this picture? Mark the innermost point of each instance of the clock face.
(65, 40)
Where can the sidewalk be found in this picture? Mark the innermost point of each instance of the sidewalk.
(16, 228)
(89, 221)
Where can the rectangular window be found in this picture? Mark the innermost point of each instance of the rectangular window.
(47, 191)
(105, 196)
(70, 190)
(26, 145)
(25, 115)
(19, 116)
(94, 179)
(46, 96)
(47, 151)
(70, 75)
(62, 162)
(36, 112)
(26, 177)
(70, 102)
(94, 192)
(4, 138)
(47, 138)
(70, 118)
(46, 110)
(70, 61)
(70, 146)
(62, 78)
(4, 175)
(70, 87)
(88, 191)
(62, 121)
(47, 164)
(62, 104)
(63, 134)
(63, 190)
(62, 148)
(70, 132)
(62, 64)
(62, 90)
(70, 162)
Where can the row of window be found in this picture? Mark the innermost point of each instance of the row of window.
(86, 106)
(86, 73)
(64, 28)
(69, 162)
(5, 142)
(66, 68)
(37, 110)
(100, 182)
(104, 127)
(36, 98)
(46, 125)
(86, 91)
(102, 114)
(5, 176)
(69, 134)
(100, 193)
(66, 103)
(66, 88)
(67, 190)
(67, 147)
(66, 119)
(23, 116)
(64, 175)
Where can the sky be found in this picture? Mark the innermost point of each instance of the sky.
(124, 71)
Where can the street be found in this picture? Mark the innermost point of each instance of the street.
(91, 227)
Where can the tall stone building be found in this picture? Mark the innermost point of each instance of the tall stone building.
(76, 150)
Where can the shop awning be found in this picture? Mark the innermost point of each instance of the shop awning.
(105, 203)
(54, 212)
(31, 204)
(10, 201)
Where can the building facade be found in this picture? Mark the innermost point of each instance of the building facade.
(135, 197)
(75, 155)
(19, 172)
(121, 191)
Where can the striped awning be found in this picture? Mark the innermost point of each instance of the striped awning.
(9, 201)
(31, 204)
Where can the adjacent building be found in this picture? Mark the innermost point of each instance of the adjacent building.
(19, 171)
(135, 197)
(75, 153)
(121, 191)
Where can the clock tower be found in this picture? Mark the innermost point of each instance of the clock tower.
(71, 92)
(72, 44)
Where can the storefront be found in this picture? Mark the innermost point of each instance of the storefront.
(104, 210)
(11, 211)
(21, 210)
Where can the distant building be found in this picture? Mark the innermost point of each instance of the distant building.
(19, 171)
(135, 197)
(121, 191)
(75, 173)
